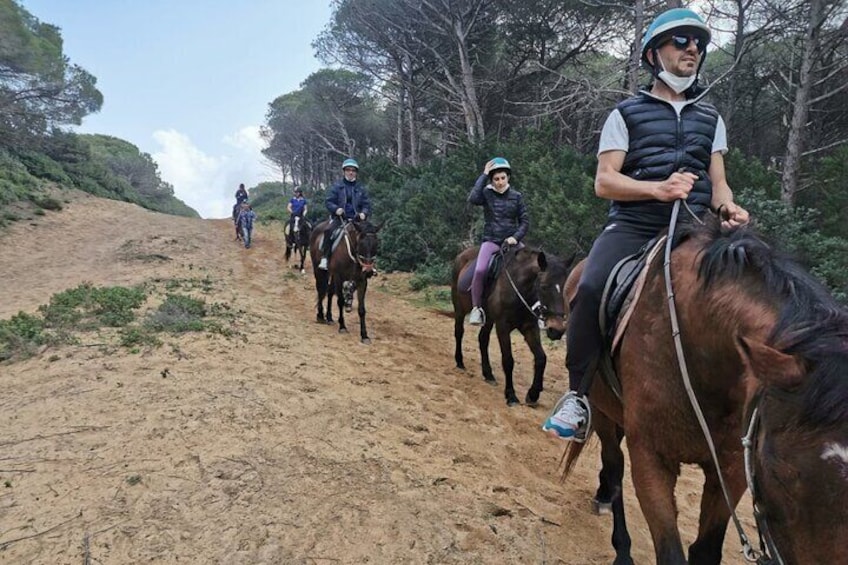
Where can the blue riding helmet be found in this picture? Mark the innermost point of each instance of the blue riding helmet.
(499, 163)
(682, 19)
(350, 163)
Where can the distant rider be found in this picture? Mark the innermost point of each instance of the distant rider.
(241, 194)
(297, 207)
(245, 220)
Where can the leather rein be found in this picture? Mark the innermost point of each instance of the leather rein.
(766, 541)
(538, 310)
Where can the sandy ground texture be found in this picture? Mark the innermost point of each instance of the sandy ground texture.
(288, 443)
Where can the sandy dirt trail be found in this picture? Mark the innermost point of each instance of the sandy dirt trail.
(288, 443)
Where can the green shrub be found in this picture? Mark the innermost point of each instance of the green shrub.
(87, 307)
(134, 336)
(177, 314)
(47, 203)
(431, 274)
(21, 335)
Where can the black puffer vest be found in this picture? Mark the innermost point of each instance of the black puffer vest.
(661, 144)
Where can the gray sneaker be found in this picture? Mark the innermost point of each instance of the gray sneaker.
(323, 264)
(570, 418)
(477, 317)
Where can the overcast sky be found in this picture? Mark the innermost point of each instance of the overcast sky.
(189, 81)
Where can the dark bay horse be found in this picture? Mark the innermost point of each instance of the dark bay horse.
(297, 238)
(527, 293)
(765, 348)
(350, 267)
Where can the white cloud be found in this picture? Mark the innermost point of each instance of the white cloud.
(207, 183)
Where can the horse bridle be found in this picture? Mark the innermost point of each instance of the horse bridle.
(361, 260)
(766, 540)
(539, 310)
(769, 552)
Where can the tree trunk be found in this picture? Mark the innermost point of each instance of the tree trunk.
(801, 106)
(401, 104)
(413, 130)
(636, 46)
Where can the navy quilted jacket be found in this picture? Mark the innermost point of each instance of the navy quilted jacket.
(504, 215)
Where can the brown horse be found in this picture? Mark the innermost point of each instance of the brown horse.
(766, 352)
(350, 266)
(526, 294)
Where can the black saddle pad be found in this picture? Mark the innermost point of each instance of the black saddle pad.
(492, 272)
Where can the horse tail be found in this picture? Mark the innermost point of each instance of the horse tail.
(569, 458)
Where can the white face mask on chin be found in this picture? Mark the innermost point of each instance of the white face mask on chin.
(674, 82)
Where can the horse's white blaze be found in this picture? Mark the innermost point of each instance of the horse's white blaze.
(833, 450)
(559, 290)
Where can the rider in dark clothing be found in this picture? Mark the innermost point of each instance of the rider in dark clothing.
(505, 222)
(347, 200)
(241, 194)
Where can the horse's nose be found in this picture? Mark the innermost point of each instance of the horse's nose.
(555, 328)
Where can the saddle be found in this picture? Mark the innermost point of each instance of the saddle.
(336, 235)
(492, 271)
(621, 293)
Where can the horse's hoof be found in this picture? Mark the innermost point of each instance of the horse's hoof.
(512, 401)
(366, 340)
(531, 399)
(601, 508)
(490, 381)
(342, 330)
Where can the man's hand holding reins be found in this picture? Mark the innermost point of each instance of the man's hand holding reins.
(676, 187)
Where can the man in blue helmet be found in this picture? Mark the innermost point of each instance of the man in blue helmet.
(348, 200)
(661, 145)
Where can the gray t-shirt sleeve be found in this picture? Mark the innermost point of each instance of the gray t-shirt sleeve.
(614, 135)
(720, 139)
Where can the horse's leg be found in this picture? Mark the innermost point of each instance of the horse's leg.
(458, 333)
(609, 494)
(361, 287)
(331, 292)
(321, 289)
(540, 360)
(508, 363)
(339, 288)
(483, 341)
(654, 480)
(712, 526)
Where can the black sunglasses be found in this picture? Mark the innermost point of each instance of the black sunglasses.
(681, 42)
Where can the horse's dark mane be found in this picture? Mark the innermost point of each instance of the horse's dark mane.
(810, 324)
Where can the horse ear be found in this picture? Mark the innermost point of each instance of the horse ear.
(379, 226)
(543, 261)
(769, 365)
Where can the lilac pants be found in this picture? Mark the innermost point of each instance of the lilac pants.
(487, 249)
